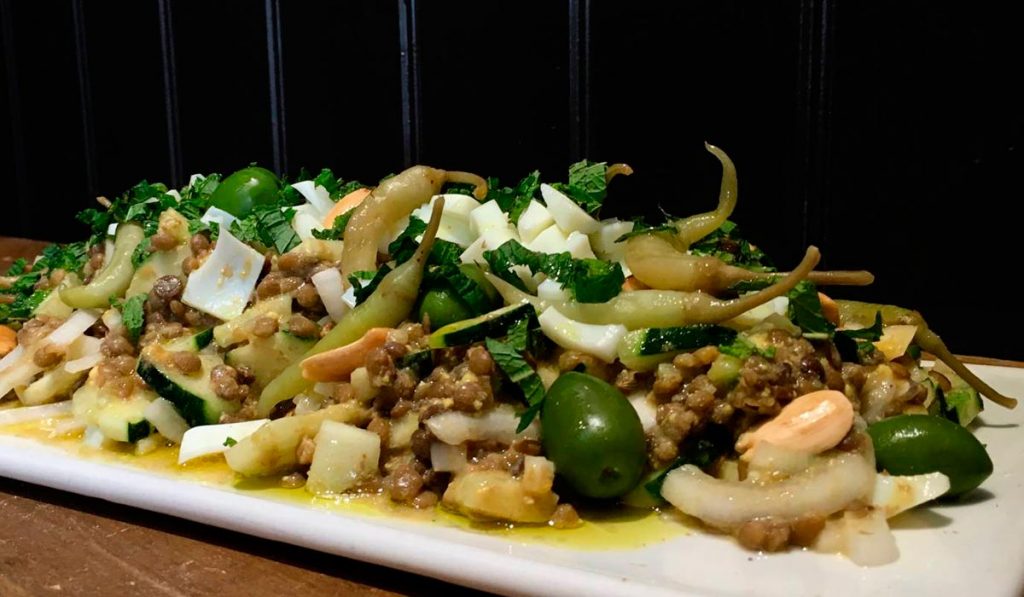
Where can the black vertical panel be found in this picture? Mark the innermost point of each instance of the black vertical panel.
(223, 90)
(341, 66)
(665, 77)
(11, 156)
(927, 161)
(45, 78)
(127, 95)
(495, 92)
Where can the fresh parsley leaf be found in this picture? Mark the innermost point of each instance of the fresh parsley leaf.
(133, 315)
(141, 253)
(514, 201)
(587, 280)
(269, 227)
(18, 267)
(201, 188)
(587, 185)
(515, 367)
(336, 187)
(337, 229)
(805, 311)
(230, 441)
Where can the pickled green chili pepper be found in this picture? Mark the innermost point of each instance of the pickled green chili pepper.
(660, 260)
(387, 307)
(111, 281)
(394, 199)
(662, 308)
(863, 314)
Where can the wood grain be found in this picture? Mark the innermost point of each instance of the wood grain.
(52, 542)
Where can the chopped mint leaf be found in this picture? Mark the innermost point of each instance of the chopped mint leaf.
(587, 280)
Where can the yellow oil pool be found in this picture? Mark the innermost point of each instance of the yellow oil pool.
(602, 529)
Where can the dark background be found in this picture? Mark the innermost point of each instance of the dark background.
(885, 133)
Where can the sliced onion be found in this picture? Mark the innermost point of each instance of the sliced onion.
(498, 425)
(330, 286)
(112, 319)
(73, 327)
(67, 428)
(447, 459)
(34, 413)
(12, 357)
(162, 414)
(84, 363)
(826, 487)
(93, 437)
(645, 409)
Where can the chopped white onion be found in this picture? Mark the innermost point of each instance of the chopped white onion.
(12, 357)
(34, 413)
(894, 494)
(497, 425)
(308, 403)
(216, 214)
(162, 414)
(331, 288)
(316, 195)
(112, 319)
(863, 537)
(445, 458)
(567, 214)
(93, 437)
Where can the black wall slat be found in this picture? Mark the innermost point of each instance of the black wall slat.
(127, 96)
(14, 137)
(89, 153)
(343, 85)
(275, 72)
(927, 130)
(410, 75)
(222, 84)
(887, 134)
(45, 77)
(579, 78)
(169, 64)
(495, 97)
(666, 77)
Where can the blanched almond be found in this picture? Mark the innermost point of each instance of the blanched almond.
(812, 423)
(339, 363)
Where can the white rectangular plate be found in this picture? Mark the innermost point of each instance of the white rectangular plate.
(971, 548)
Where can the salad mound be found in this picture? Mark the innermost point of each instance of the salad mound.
(500, 352)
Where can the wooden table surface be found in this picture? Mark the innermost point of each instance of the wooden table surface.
(53, 542)
(57, 543)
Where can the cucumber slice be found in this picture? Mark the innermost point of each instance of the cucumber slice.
(193, 343)
(643, 350)
(192, 395)
(490, 325)
(237, 330)
(421, 361)
(268, 357)
(119, 419)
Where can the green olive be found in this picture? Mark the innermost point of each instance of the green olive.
(593, 436)
(242, 190)
(442, 306)
(918, 444)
